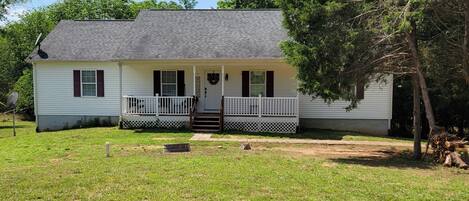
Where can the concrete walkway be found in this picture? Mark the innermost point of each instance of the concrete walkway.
(208, 138)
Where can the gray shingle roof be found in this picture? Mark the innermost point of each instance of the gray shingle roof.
(83, 40)
(170, 34)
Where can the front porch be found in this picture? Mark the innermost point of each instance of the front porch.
(249, 114)
(256, 96)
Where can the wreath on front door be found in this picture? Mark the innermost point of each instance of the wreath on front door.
(213, 78)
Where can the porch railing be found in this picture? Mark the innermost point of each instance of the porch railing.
(261, 106)
(157, 105)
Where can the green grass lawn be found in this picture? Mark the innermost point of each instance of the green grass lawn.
(71, 165)
(317, 134)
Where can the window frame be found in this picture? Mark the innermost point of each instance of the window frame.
(89, 83)
(163, 83)
(264, 84)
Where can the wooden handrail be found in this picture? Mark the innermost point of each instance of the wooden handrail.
(193, 111)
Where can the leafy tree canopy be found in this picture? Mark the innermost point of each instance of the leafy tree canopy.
(329, 47)
(246, 4)
(188, 4)
(4, 4)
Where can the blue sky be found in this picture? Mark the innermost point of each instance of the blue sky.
(17, 10)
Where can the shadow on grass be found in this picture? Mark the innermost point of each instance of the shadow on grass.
(11, 127)
(315, 134)
(396, 160)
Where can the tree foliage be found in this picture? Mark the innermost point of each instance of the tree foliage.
(4, 4)
(246, 4)
(188, 4)
(135, 7)
(24, 87)
(330, 48)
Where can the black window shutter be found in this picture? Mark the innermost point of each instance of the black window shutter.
(156, 82)
(245, 84)
(360, 90)
(76, 83)
(270, 84)
(100, 82)
(180, 83)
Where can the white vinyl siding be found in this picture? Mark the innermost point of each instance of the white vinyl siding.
(377, 104)
(55, 90)
(138, 77)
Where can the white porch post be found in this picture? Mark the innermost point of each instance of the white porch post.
(157, 97)
(260, 105)
(297, 103)
(223, 80)
(193, 80)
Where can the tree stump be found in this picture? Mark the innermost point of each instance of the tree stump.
(246, 146)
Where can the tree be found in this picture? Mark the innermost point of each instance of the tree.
(188, 4)
(4, 6)
(6, 69)
(337, 44)
(330, 48)
(246, 4)
(135, 7)
(24, 87)
(90, 9)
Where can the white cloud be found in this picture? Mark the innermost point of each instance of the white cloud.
(14, 13)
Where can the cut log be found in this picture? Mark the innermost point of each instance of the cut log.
(457, 161)
(448, 162)
(454, 144)
(464, 149)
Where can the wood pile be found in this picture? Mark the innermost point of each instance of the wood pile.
(449, 149)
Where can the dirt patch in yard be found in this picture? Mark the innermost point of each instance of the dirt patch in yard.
(163, 138)
(336, 151)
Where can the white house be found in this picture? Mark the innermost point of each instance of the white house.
(203, 69)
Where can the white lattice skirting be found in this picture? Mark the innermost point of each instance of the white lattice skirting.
(262, 124)
(138, 121)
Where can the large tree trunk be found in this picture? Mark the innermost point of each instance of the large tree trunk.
(417, 124)
(412, 42)
(466, 41)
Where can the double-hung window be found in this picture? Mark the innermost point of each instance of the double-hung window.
(257, 83)
(88, 83)
(168, 83)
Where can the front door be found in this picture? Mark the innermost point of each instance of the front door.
(212, 91)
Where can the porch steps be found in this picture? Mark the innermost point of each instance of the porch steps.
(206, 122)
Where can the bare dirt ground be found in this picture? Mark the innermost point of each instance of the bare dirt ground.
(336, 151)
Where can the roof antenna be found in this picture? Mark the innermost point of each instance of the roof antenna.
(38, 42)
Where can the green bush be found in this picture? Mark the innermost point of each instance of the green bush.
(24, 87)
